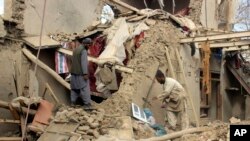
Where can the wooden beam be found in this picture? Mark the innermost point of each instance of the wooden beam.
(9, 121)
(125, 5)
(229, 44)
(10, 138)
(236, 48)
(174, 135)
(51, 93)
(30, 56)
(97, 61)
(4, 104)
(215, 37)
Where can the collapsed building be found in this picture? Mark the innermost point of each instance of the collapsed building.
(190, 41)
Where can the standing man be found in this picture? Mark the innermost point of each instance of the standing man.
(174, 98)
(79, 73)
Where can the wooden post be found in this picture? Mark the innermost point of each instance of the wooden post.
(46, 68)
(51, 93)
(170, 64)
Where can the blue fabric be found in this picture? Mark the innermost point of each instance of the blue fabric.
(160, 130)
(147, 112)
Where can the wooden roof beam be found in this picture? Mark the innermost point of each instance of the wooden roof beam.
(229, 44)
(236, 48)
(215, 37)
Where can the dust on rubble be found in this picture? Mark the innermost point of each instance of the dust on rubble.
(93, 123)
(162, 34)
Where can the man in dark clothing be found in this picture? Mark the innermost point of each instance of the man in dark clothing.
(79, 73)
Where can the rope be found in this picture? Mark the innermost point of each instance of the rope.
(24, 132)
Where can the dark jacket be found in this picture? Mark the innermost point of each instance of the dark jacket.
(79, 64)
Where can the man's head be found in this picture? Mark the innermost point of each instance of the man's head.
(87, 41)
(160, 77)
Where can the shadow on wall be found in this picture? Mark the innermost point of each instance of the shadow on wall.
(154, 4)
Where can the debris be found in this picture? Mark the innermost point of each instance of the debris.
(124, 130)
(234, 120)
(150, 22)
(178, 134)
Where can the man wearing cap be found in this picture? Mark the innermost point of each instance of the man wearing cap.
(79, 73)
(174, 98)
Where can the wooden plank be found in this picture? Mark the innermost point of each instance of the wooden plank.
(172, 136)
(215, 37)
(10, 121)
(236, 48)
(46, 42)
(170, 64)
(46, 68)
(4, 104)
(51, 93)
(239, 78)
(137, 18)
(10, 138)
(97, 61)
(125, 5)
(229, 44)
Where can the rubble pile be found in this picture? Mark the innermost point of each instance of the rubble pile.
(151, 51)
(92, 123)
(61, 37)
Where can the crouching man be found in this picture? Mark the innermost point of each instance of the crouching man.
(174, 100)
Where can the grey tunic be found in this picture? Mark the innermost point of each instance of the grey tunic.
(77, 81)
(79, 86)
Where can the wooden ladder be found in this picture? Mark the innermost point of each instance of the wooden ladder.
(182, 77)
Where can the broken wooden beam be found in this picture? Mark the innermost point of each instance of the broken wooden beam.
(97, 61)
(5, 105)
(137, 18)
(51, 93)
(178, 134)
(127, 6)
(215, 37)
(10, 121)
(229, 44)
(236, 48)
(33, 58)
(10, 138)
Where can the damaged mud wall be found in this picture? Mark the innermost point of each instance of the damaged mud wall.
(10, 57)
(195, 11)
(13, 17)
(60, 15)
(152, 52)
